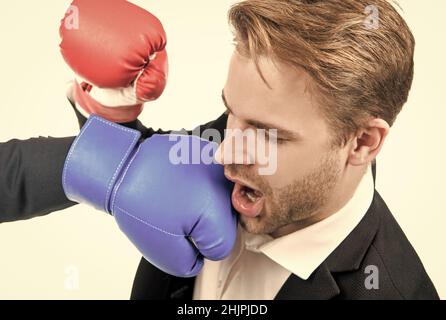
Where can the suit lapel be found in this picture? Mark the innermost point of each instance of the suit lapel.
(320, 286)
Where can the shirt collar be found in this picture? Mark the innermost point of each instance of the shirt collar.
(302, 251)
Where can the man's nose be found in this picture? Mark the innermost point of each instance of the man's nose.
(238, 147)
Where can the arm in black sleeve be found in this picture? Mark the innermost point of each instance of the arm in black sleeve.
(31, 177)
(31, 171)
(218, 124)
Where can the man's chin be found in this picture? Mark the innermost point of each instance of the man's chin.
(256, 225)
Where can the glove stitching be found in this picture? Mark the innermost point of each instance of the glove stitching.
(70, 154)
(114, 125)
(115, 193)
(135, 137)
(203, 217)
(73, 148)
(148, 224)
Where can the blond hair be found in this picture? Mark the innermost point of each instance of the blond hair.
(358, 70)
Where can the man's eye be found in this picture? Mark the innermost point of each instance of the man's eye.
(275, 139)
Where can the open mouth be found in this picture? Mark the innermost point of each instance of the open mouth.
(246, 200)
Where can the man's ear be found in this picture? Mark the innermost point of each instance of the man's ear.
(368, 142)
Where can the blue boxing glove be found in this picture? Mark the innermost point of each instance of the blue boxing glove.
(174, 213)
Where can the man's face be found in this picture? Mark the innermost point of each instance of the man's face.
(308, 166)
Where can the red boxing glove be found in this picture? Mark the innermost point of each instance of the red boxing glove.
(118, 50)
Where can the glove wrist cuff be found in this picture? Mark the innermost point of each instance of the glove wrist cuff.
(118, 114)
(96, 160)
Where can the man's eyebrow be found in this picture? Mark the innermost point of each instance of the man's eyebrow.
(281, 132)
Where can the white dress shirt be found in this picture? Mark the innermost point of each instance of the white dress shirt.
(259, 265)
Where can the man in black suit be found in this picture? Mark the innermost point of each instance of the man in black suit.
(327, 86)
(375, 261)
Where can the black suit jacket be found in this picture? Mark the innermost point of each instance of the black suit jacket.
(30, 186)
